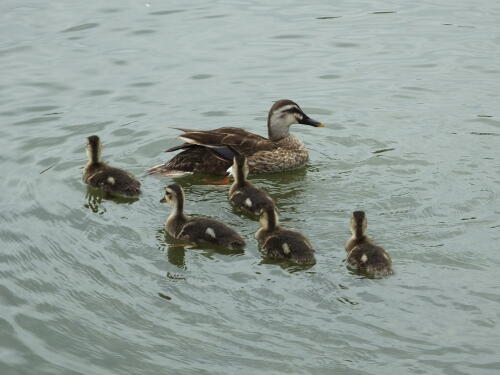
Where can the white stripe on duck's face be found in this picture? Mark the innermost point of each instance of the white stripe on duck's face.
(285, 116)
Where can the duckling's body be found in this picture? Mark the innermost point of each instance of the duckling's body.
(278, 243)
(100, 175)
(243, 194)
(197, 229)
(362, 254)
(207, 151)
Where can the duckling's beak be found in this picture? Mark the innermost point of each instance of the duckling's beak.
(163, 200)
(306, 120)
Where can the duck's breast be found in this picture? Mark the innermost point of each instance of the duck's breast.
(291, 153)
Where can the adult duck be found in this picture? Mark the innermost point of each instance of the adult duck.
(207, 151)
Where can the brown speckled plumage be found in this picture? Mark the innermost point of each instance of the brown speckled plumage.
(206, 151)
(111, 180)
(362, 254)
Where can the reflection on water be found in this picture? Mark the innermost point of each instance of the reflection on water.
(286, 265)
(96, 196)
(176, 255)
(176, 249)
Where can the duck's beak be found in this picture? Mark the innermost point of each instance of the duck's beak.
(306, 120)
(163, 200)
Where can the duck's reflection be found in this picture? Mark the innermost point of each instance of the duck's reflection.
(176, 249)
(287, 265)
(95, 198)
(176, 255)
(270, 179)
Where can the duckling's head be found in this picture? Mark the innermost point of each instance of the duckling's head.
(93, 149)
(284, 113)
(240, 168)
(359, 223)
(269, 218)
(174, 195)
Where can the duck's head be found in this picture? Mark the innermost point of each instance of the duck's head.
(174, 195)
(93, 149)
(359, 223)
(284, 113)
(269, 218)
(240, 168)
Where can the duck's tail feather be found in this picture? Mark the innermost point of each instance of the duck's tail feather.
(180, 147)
(164, 170)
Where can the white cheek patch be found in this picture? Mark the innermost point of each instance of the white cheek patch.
(385, 256)
(248, 202)
(286, 248)
(111, 180)
(210, 232)
(364, 258)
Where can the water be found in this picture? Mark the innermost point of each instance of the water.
(410, 93)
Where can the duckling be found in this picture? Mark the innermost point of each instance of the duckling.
(207, 151)
(242, 193)
(362, 254)
(100, 175)
(279, 243)
(197, 229)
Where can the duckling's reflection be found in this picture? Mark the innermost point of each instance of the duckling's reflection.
(288, 266)
(95, 198)
(176, 250)
(176, 255)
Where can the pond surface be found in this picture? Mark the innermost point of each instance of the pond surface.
(410, 95)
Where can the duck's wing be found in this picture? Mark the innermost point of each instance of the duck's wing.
(211, 151)
(298, 237)
(290, 244)
(115, 180)
(218, 140)
(209, 230)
